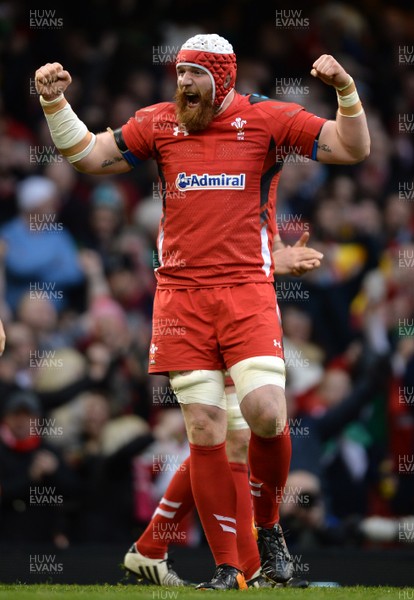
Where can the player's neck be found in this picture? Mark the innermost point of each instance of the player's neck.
(227, 101)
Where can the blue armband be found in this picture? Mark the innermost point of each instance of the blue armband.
(124, 150)
(315, 149)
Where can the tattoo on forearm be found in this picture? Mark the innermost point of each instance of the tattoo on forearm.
(324, 147)
(111, 161)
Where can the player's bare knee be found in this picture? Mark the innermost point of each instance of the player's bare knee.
(205, 425)
(266, 415)
(201, 429)
(260, 385)
(200, 394)
(268, 425)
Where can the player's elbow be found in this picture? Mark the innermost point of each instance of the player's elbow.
(360, 154)
(78, 167)
(86, 166)
(366, 151)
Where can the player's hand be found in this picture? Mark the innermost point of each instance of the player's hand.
(2, 338)
(298, 259)
(51, 80)
(330, 71)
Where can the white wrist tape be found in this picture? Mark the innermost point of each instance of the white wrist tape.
(341, 89)
(44, 102)
(67, 130)
(348, 100)
(75, 157)
(358, 114)
(350, 103)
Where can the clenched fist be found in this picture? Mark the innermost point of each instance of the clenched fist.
(330, 71)
(51, 80)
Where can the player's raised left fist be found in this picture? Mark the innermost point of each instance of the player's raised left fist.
(330, 71)
(51, 80)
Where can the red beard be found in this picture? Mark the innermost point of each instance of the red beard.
(197, 118)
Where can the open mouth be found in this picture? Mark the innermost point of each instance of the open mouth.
(192, 100)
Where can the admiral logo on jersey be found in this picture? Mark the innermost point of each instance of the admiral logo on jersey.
(210, 182)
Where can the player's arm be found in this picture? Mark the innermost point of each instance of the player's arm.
(297, 259)
(345, 140)
(89, 153)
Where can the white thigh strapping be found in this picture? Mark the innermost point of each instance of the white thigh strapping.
(252, 373)
(235, 419)
(200, 386)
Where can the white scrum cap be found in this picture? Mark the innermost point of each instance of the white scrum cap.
(214, 54)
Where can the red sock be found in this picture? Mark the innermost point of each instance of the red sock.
(215, 497)
(269, 461)
(246, 542)
(174, 505)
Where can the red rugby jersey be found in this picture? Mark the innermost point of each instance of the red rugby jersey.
(218, 187)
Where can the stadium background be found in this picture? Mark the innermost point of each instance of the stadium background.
(79, 342)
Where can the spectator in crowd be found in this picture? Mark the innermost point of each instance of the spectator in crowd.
(331, 454)
(41, 257)
(41, 315)
(109, 446)
(304, 359)
(37, 487)
(106, 218)
(21, 344)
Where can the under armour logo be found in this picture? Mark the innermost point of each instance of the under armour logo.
(180, 129)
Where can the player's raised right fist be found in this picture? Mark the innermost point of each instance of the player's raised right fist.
(51, 80)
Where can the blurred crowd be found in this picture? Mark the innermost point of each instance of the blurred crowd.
(88, 441)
